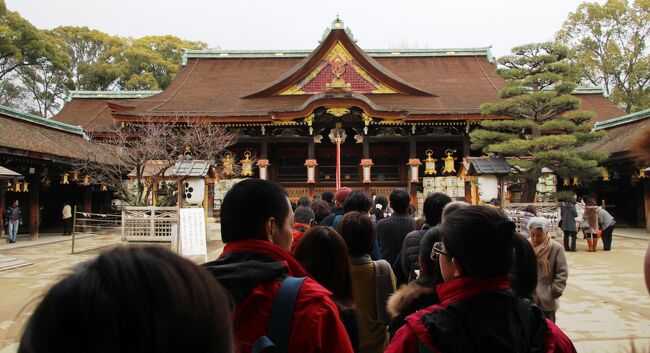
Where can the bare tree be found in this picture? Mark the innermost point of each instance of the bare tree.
(145, 150)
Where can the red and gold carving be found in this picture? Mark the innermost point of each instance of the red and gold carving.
(338, 69)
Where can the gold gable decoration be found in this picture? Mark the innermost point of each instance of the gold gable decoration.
(339, 59)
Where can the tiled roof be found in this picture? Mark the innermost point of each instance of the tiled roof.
(240, 86)
(191, 168)
(89, 110)
(626, 119)
(621, 132)
(8, 173)
(482, 165)
(28, 133)
(34, 119)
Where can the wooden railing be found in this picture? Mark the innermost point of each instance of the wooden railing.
(151, 224)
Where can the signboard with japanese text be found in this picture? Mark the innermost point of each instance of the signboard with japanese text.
(191, 240)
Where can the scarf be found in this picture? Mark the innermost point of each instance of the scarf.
(268, 249)
(542, 251)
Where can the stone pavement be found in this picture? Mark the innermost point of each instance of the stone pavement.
(605, 307)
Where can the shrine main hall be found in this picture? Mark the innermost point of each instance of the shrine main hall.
(391, 108)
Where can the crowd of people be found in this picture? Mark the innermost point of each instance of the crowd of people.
(341, 273)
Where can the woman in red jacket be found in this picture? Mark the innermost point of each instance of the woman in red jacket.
(479, 310)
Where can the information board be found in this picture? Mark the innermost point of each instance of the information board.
(191, 240)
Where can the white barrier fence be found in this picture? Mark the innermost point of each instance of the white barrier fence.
(149, 224)
(548, 210)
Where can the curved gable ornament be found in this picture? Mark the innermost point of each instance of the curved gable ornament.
(338, 70)
(338, 65)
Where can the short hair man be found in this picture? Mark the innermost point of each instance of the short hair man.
(391, 231)
(410, 253)
(256, 219)
(303, 218)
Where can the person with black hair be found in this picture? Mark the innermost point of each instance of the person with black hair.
(132, 299)
(66, 215)
(329, 198)
(373, 281)
(481, 310)
(379, 208)
(392, 231)
(14, 219)
(321, 210)
(339, 200)
(421, 292)
(410, 252)
(256, 220)
(568, 214)
(357, 201)
(303, 201)
(325, 256)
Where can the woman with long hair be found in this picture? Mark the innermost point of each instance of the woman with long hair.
(374, 282)
(323, 253)
(480, 309)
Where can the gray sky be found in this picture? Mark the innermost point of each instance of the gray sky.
(293, 24)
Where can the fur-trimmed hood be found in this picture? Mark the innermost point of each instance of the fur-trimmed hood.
(406, 296)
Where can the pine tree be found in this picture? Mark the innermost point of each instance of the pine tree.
(538, 118)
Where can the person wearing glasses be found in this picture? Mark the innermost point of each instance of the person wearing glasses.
(482, 308)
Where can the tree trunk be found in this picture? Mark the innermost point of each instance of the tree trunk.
(528, 191)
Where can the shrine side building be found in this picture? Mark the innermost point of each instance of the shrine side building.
(391, 108)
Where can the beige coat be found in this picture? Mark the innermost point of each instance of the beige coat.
(550, 288)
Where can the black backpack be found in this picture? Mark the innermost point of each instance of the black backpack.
(276, 339)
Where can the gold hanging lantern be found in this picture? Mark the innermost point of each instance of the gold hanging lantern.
(566, 182)
(75, 176)
(247, 164)
(642, 174)
(86, 181)
(576, 181)
(606, 175)
(449, 162)
(104, 188)
(17, 187)
(430, 164)
(25, 186)
(64, 178)
(228, 164)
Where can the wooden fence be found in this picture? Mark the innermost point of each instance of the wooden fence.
(150, 224)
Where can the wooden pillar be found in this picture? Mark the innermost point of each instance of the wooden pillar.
(646, 201)
(87, 198)
(466, 145)
(365, 147)
(502, 193)
(264, 148)
(2, 209)
(34, 206)
(413, 186)
(412, 147)
(311, 155)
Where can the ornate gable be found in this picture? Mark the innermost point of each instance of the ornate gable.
(338, 64)
(338, 70)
